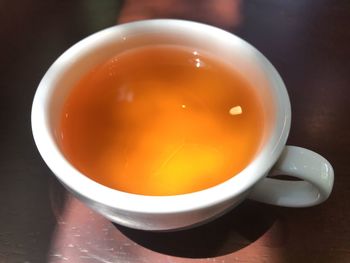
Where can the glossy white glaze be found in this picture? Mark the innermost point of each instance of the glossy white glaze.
(315, 172)
(167, 212)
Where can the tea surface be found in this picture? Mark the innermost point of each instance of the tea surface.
(161, 120)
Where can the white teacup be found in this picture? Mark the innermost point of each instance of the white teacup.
(174, 212)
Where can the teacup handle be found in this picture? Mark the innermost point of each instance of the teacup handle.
(315, 171)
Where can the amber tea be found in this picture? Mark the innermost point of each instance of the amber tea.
(161, 120)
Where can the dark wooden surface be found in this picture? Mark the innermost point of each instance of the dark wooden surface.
(308, 42)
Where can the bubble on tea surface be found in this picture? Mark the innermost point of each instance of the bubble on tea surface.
(236, 110)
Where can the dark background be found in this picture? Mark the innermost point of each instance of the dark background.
(309, 44)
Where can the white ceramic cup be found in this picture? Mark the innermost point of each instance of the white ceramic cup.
(179, 211)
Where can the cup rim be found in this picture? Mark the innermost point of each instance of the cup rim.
(90, 190)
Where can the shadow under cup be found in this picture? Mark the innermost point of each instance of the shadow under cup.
(167, 212)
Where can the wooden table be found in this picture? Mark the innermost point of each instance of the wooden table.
(307, 41)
